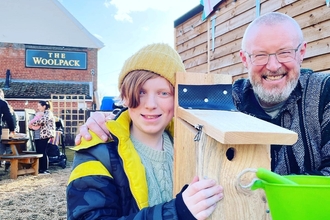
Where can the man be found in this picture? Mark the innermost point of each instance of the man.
(6, 116)
(279, 91)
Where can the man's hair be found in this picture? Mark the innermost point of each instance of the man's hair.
(270, 19)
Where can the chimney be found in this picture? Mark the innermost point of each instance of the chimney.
(7, 82)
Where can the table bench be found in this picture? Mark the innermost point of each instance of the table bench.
(22, 163)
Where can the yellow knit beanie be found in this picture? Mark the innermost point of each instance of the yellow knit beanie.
(158, 58)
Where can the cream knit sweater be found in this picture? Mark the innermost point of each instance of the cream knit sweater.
(159, 169)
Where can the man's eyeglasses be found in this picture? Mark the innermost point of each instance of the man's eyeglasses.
(282, 56)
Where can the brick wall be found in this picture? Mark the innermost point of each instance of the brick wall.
(12, 56)
(32, 104)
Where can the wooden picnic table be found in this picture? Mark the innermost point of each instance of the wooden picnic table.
(21, 163)
(15, 144)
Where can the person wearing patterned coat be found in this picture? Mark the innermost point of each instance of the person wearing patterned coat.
(45, 122)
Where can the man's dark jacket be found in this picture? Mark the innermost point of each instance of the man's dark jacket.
(306, 112)
(6, 116)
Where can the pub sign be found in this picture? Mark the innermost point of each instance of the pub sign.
(55, 59)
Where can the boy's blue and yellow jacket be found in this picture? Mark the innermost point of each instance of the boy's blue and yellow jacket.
(108, 180)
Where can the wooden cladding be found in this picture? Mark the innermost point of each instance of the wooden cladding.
(193, 38)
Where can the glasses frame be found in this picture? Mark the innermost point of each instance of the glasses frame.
(275, 54)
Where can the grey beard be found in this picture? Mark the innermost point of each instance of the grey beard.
(274, 96)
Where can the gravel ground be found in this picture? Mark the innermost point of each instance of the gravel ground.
(39, 197)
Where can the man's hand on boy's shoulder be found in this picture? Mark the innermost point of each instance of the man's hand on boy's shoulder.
(96, 123)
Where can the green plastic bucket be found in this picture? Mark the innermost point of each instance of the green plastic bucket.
(308, 200)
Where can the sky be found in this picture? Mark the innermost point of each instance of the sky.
(125, 26)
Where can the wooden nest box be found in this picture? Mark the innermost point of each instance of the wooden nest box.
(220, 144)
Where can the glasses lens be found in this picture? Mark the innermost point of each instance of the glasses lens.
(259, 59)
(285, 56)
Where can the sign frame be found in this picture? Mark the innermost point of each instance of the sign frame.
(54, 59)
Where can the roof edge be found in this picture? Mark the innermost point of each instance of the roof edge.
(188, 15)
(99, 44)
(45, 81)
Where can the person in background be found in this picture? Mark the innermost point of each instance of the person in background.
(45, 120)
(15, 119)
(36, 117)
(131, 177)
(280, 92)
(6, 147)
(5, 116)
